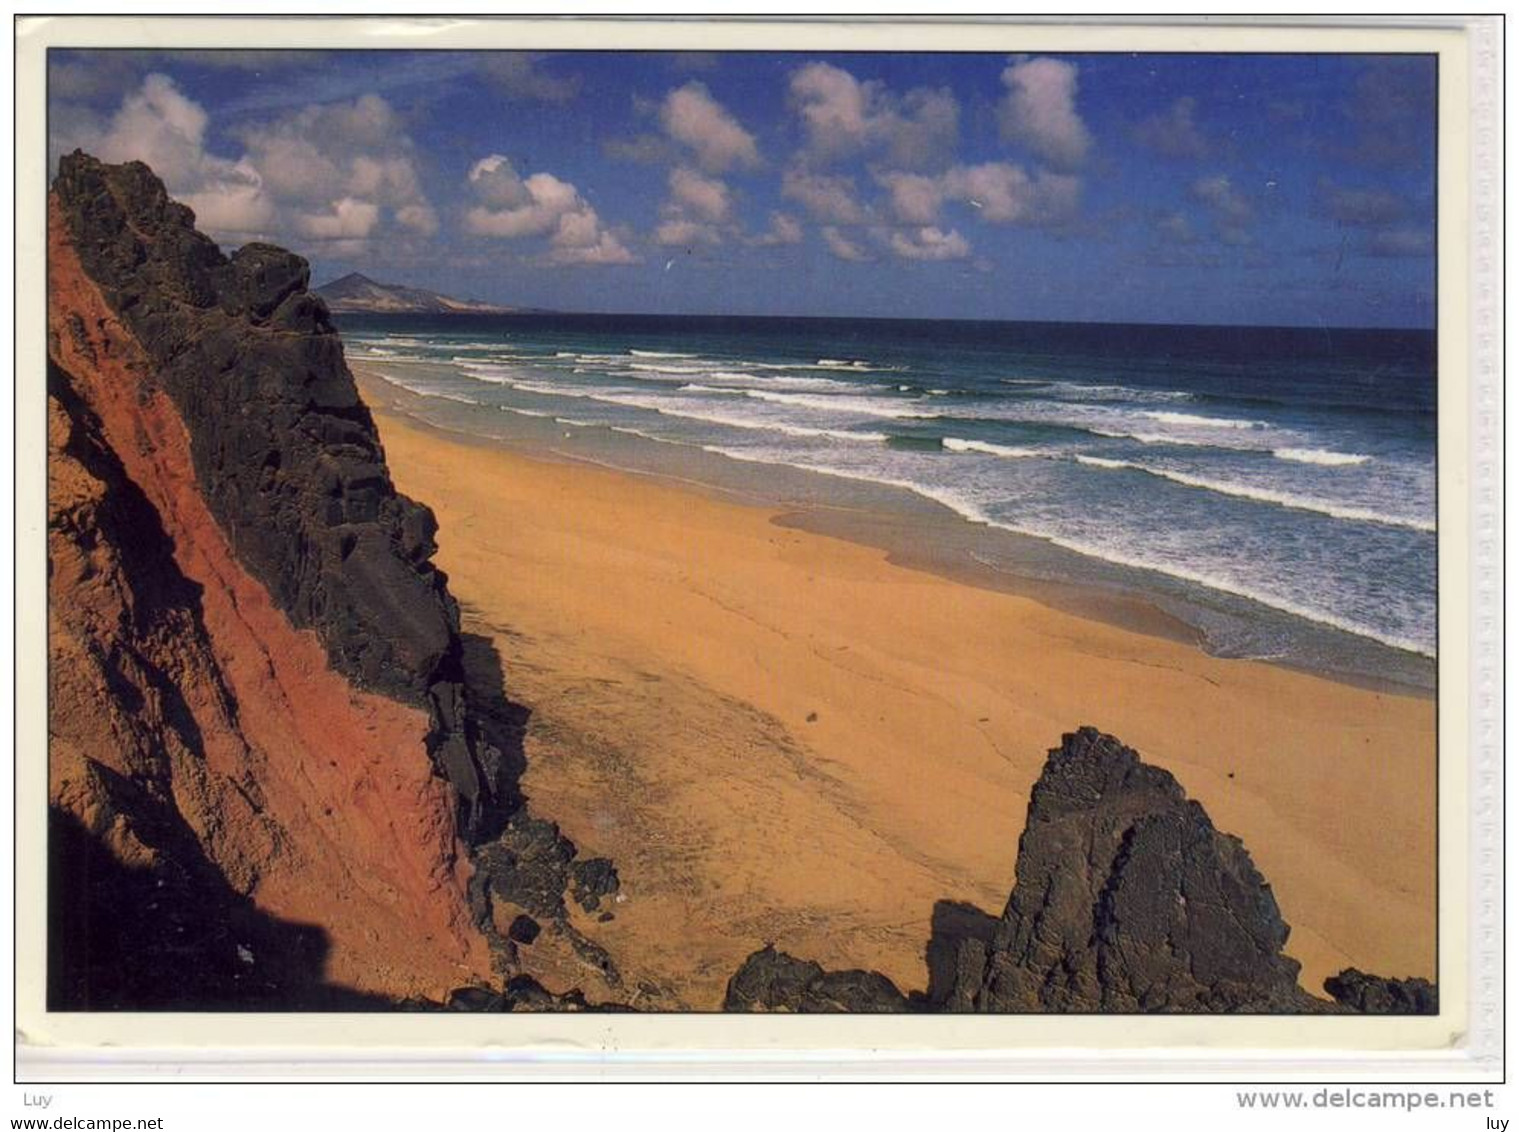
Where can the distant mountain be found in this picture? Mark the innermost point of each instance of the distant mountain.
(358, 294)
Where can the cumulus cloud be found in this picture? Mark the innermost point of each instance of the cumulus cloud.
(693, 118)
(999, 191)
(1039, 111)
(680, 232)
(929, 243)
(784, 229)
(1173, 132)
(842, 116)
(706, 197)
(826, 197)
(842, 247)
(315, 160)
(348, 219)
(1231, 210)
(512, 207)
(700, 208)
(338, 174)
(158, 124)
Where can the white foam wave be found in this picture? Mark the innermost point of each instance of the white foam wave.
(670, 407)
(955, 444)
(1189, 420)
(658, 354)
(1266, 495)
(971, 511)
(739, 383)
(428, 392)
(1162, 438)
(1080, 391)
(1228, 585)
(863, 406)
(667, 368)
(1320, 456)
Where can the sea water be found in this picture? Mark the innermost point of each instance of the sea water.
(1273, 487)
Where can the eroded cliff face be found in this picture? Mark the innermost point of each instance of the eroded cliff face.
(257, 702)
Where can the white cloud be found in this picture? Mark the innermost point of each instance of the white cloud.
(698, 211)
(692, 117)
(830, 199)
(159, 125)
(842, 247)
(843, 115)
(513, 207)
(784, 229)
(349, 219)
(341, 172)
(1039, 111)
(929, 243)
(685, 233)
(1000, 192)
(1232, 212)
(706, 197)
(915, 198)
(420, 218)
(321, 155)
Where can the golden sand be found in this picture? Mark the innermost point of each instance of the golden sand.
(784, 737)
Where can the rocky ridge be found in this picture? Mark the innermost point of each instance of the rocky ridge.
(262, 710)
(358, 294)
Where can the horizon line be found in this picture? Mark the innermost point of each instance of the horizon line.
(527, 312)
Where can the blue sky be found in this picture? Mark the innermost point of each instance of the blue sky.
(1293, 190)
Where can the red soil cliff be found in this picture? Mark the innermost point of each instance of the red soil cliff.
(184, 703)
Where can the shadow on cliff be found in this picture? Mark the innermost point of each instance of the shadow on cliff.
(500, 721)
(172, 936)
(954, 924)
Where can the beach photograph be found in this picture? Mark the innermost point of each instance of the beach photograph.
(799, 531)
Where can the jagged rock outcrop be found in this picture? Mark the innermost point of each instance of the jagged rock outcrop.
(1126, 900)
(772, 982)
(285, 452)
(1372, 994)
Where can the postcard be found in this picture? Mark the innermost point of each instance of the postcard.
(556, 531)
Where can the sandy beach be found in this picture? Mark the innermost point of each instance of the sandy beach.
(785, 737)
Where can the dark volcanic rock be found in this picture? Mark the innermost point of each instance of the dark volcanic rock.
(286, 453)
(1372, 994)
(524, 929)
(525, 993)
(771, 981)
(529, 865)
(592, 879)
(1127, 899)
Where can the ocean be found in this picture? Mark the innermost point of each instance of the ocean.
(1272, 488)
